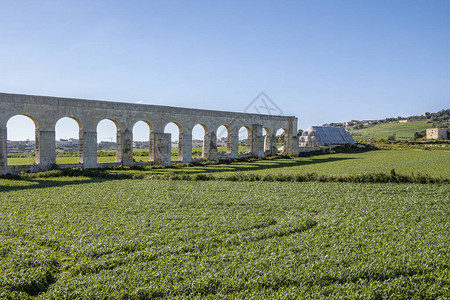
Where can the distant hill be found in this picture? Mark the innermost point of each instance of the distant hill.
(403, 131)
(403, 127)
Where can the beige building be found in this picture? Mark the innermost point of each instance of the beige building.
(437, 133)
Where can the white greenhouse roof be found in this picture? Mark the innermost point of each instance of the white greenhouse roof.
(327, 136)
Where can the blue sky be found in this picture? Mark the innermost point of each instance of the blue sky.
(323, 61)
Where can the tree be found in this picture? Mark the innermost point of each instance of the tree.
(419, 135)
(280, 139)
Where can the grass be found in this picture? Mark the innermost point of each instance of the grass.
(109, 156)
(85, 238)
(432, 163)
(383, 131)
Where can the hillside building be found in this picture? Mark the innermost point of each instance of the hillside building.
(437, 133)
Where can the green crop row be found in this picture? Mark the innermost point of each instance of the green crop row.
(392, 177)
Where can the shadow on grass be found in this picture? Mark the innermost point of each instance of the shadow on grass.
(38, 183)
(29, 184)
(254, 166)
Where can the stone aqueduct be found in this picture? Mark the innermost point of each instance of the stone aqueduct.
(46, 111)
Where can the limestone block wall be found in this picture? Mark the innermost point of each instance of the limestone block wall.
(46, 111)
(437, 133)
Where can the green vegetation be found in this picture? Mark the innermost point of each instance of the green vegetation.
(241, 229)
(88, 238)
(433, 163)
(106, 156)
(403, 131)
(439, 119)
(393, 177)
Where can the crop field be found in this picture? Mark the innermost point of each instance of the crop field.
(429, 162)
(88, 238)
(433, 163)
(404, 131)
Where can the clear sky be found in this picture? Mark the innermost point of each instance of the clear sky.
(323, 61)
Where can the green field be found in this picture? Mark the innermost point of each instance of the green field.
(404, 131)
(139, 155)
(82, 237)
(79, 237)
(434, 163)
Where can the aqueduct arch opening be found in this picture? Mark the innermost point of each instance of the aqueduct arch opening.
(245, 135)
(107, 133)
(142, 131)
(282, 144)
(176, 144)
(224, 139)
(199, 141)
(21, 137)
(67, 137)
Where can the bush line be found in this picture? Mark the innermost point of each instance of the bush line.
(393, 177)
(358, 178)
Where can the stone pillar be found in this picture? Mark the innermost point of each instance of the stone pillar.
(273, 144)
(180, 146)
(45, 148)
(210, 146)
(3, 151)
(151, 147)
(88, 148)
(267, 146)
(205, 150)
(124, 153)
(229, 141)
(257, 141)
(289, 138)
(270, 144)
(233, 140)
(185, 149)
(250, 140)
(289, 144)
(286, 143)
(162, 148)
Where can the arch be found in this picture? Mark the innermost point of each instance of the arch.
(224, 139)
(176, 131)
(281, 135)
(199, 135)
(67, 140)
(244, 139)
(107, 140)
(21, 135)
(142, 131)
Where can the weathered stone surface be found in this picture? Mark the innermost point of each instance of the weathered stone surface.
(437, 133)
(46, 111)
